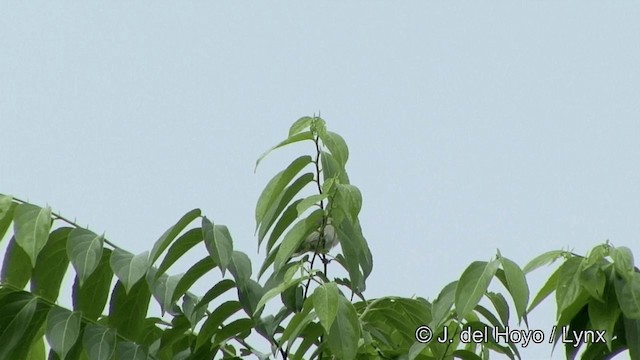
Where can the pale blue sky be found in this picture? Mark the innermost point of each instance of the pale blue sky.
(472, 126)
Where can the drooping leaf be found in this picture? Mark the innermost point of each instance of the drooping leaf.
(129, 268)
(442, 304)
(325, 302)
(91, 297)
(307, 135)
(501, 306)
(632, 334)
(127, 311)
(84, 249)
(276, 186)
(51, 266)
(218, 242)
(473, 284)
(189, 304)
(165, 240)
(593, 280)
(294, 238)
(338, 147)
(345, 331)
(628, 294)
(249, 294)
(99, 342)
(16, 267)
(163, 289)
(332, 169)
(604, 314)
(240, 267)
(547, 258)
(31, 226)
(63, 329)
(7, 211)
(623, 262)
(568, 283)
(348, 199)
(17, 310)
(517, 285)
(130, 351)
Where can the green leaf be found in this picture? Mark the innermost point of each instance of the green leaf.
(357, 258)
(84, 249)
(628, 293)
(603, 315)
(549, 287)
(623, 262)
(217, 290)
(442, 304)
(235, 328)
(129, 268)
(632, 334)
(218, 242)
(7, 211)
(130, 351)
(163, 290)
(299, 125)
(249, 295)
(240, 267)
(183, 244)
(276, 185)
(215, 320)
(37, 351)
(16, 267)
(63, 328)
(348, 199)
(332, 169)
(91, 297)
(298, 322)
(568, 283)
(16, 312)
(307, 135)
(31, 226)
(165, 240)
(593, 280)
(127, 311)
(338, 147)
(473, 284)
(99, 342)
(345, 331)
(309, 202)
(287, 281)
(325, 301)
(51, 266)
(191, 276)
(517, 286)
(501, 306)
(294, 238)
(545, 259)
(276, 208)
(287, 218)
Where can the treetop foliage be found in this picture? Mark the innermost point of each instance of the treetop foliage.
(316, 265)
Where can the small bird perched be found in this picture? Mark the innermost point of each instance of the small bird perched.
(310, 244)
